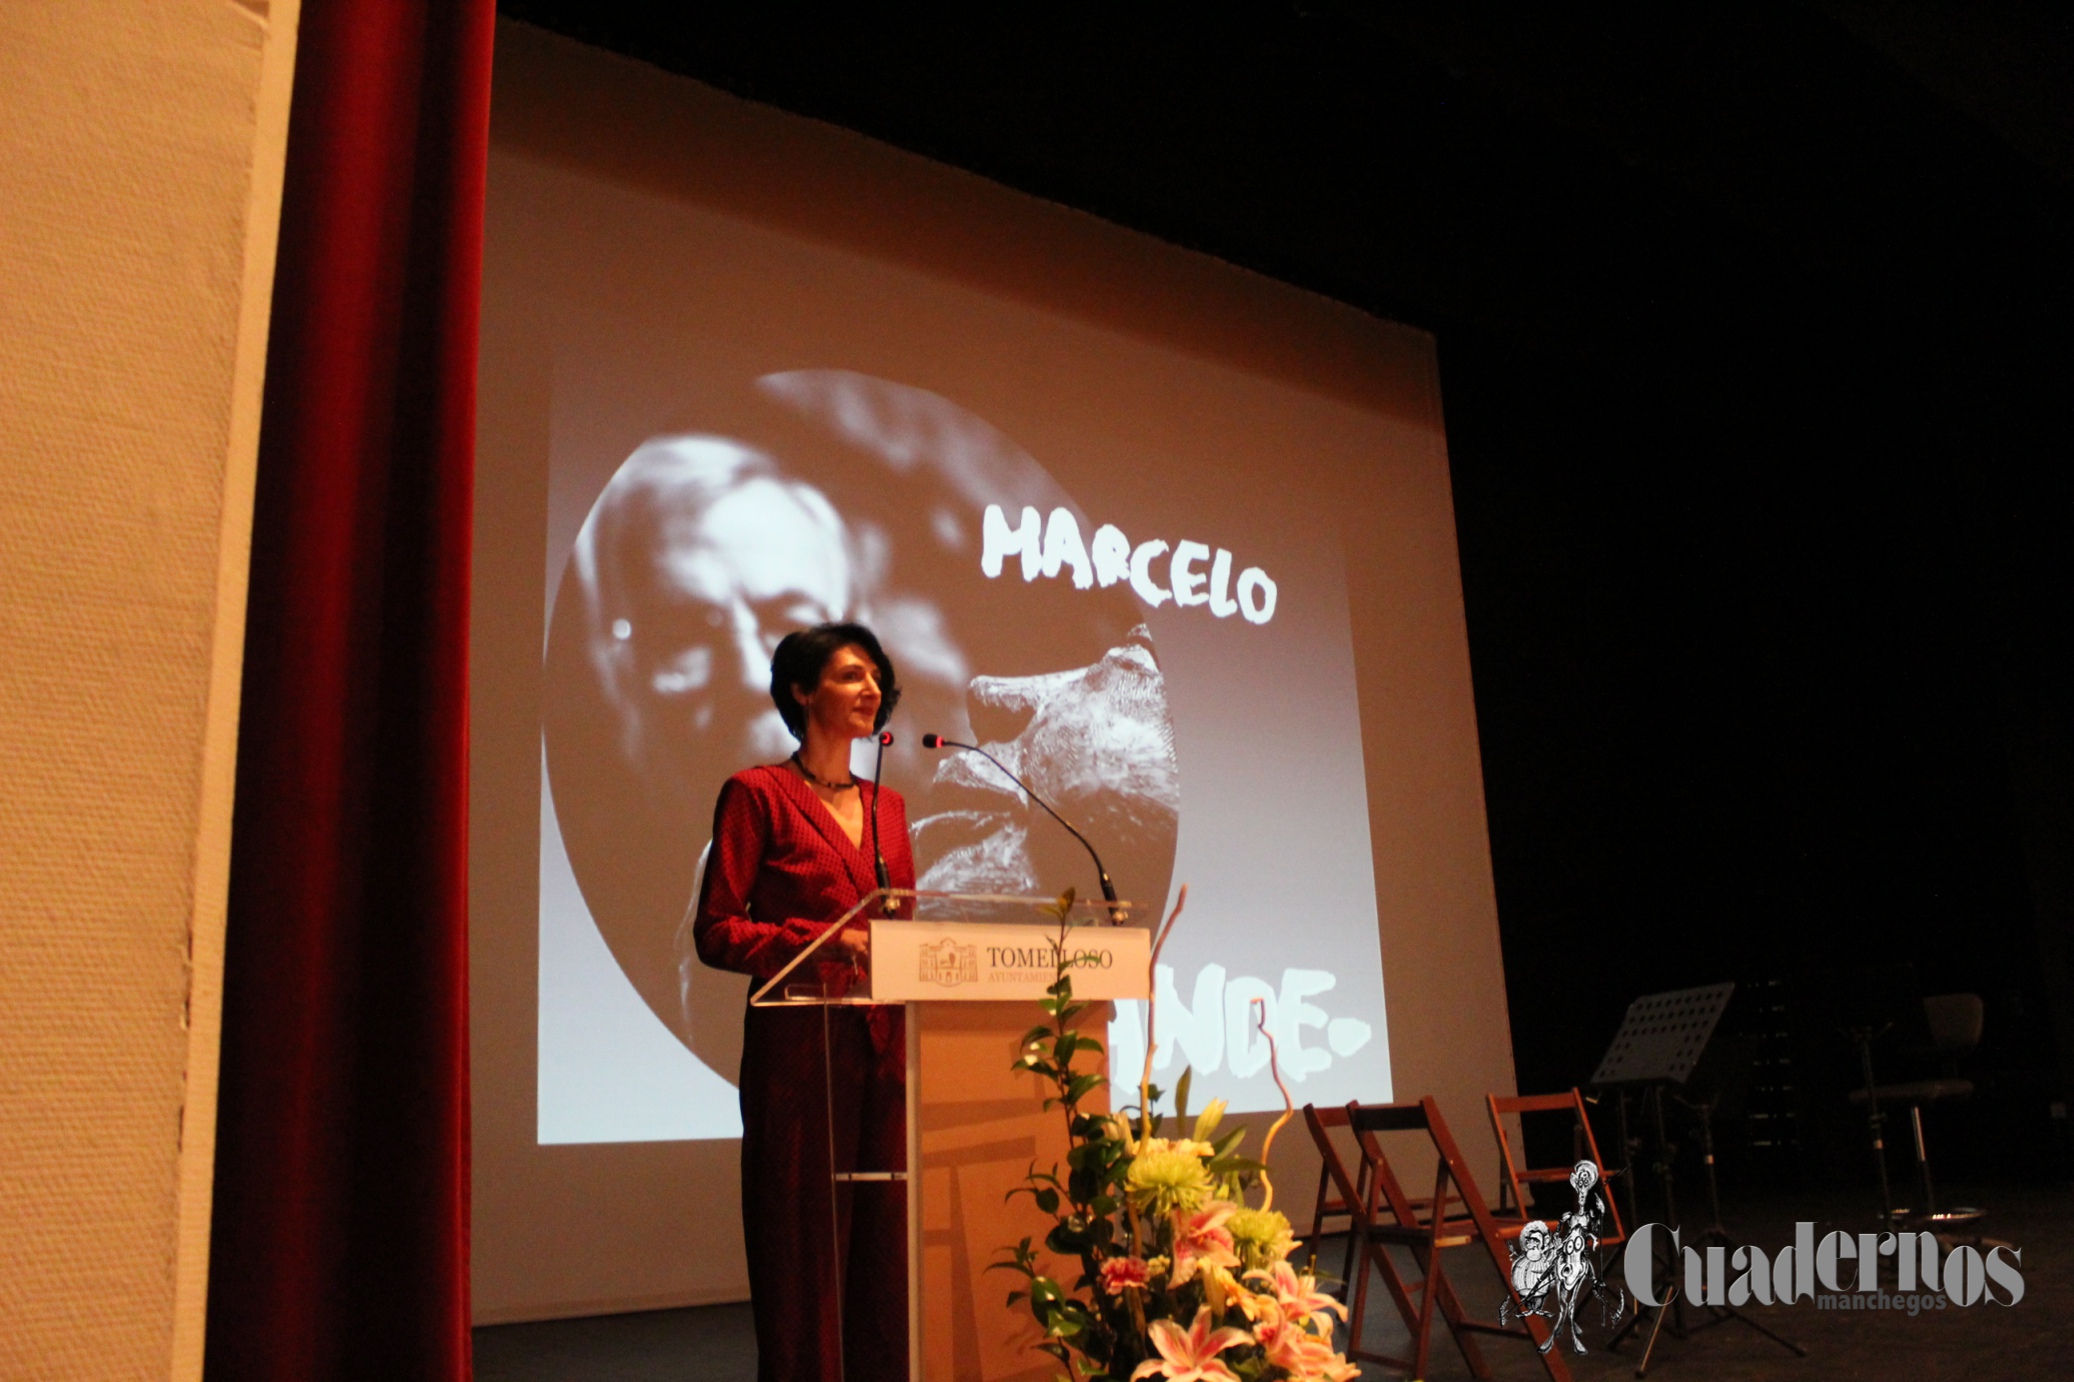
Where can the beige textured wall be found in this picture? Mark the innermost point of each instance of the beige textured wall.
(140, 163)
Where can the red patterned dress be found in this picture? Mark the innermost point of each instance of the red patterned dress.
(780, 871)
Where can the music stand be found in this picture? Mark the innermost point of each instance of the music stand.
(1659, 1044)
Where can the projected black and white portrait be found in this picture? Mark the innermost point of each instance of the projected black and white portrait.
(818, 495)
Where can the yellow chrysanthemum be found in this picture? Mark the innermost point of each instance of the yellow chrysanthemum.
(1163, 1180)
(1261, 1236)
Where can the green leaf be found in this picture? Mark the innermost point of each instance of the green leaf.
(1233, 1165)
(1181, 1093)
(1047, 1200)
(1067, 1238)
(1228, 1141)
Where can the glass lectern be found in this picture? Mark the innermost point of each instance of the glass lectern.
(930, 948)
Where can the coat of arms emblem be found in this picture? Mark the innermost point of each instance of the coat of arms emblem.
(948, 963)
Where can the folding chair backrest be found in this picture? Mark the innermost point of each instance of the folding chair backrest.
(1520, 1176)
(1387, 1117)
(1368, 1191)
(1340, 1192)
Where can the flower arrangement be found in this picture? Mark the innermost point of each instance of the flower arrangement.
(1180, 1278)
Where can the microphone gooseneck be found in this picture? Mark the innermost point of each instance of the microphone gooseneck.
(937, 741)
(878, 855)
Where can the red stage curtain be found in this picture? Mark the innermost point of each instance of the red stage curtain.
(340, 1242)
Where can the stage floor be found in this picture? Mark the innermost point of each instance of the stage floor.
(710, 1343)
(2014, 1344)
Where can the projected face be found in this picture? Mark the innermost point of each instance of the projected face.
(700, 559)
(728, 583)
(1096, 742)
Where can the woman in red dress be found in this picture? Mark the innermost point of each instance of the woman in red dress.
(793, 849)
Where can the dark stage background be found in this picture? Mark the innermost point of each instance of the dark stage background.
(1754, 332)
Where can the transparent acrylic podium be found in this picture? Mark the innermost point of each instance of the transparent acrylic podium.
(931, 948)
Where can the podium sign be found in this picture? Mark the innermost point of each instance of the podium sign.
(992, 962)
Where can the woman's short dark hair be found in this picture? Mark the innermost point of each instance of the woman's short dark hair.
(802, 657)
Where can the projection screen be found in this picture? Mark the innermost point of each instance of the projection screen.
(1157, 646)
(1132, 568)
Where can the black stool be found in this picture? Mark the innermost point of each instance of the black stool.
(1954, 1021)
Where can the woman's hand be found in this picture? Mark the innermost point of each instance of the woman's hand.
(854, 945)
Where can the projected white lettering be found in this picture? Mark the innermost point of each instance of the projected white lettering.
(1221, 603)
(1141, 573)
(1048, 547)
(1214, 1029)
(1112, 555)
(1062, 548)
(1188, 584)
(999, 541)
(1256, 595)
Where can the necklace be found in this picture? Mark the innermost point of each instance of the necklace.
(826, 786)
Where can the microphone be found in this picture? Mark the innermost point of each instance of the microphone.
(878, 855)
(937, 741)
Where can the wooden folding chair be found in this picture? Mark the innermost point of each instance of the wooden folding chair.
(1518, 1178)
(1382, 1215)
(1323, 1122)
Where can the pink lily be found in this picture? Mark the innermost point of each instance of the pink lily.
(1284, 1338)
(1201, 1241)
(1300, 1298)
(1191, 1355)
(1292, 1347)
